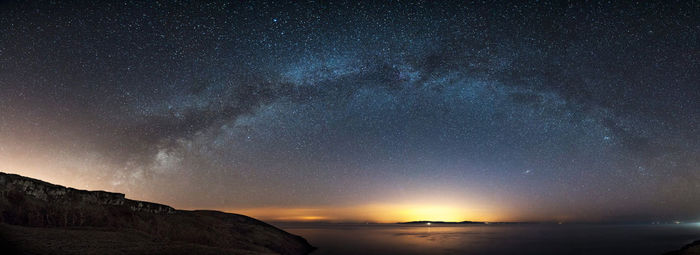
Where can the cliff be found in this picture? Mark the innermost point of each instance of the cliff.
(39, 217)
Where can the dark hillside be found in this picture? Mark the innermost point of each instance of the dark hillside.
(38, 217)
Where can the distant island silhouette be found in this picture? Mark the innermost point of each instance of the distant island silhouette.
(461, 222)
(442, 222)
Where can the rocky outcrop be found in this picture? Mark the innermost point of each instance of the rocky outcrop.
(46, 192)
(36, 203)
(26, 202)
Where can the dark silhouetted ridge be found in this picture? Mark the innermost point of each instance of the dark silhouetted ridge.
(39, 217)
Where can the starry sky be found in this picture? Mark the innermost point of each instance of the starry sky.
(346, 111)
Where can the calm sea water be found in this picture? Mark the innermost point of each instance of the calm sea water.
(494, 239)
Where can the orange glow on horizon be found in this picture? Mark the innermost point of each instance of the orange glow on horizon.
(379, 213)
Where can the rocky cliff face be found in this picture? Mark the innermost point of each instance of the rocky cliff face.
(44, 191)
(36, 203)
(33, 203)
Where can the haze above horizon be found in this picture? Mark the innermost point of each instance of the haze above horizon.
(393, 111)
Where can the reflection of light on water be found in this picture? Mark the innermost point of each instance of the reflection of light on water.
(477, 239)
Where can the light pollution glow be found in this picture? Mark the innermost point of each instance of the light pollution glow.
(388, 212)
(438, 210)
(443, 112)
(426, 208)
(379, 213)
(419, 204)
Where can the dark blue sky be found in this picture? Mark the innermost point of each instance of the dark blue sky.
(527, 111)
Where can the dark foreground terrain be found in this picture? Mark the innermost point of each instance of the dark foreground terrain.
(690, 249)
(37, 217)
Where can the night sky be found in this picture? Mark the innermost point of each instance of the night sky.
(352, 111)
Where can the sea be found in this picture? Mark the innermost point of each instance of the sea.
(494, 239)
